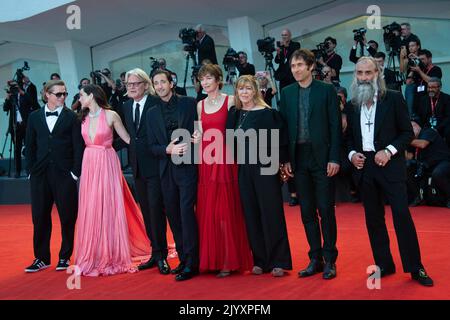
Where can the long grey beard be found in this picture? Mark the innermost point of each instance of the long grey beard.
(363, 91)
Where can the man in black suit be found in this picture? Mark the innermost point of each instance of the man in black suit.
(388, 75)
(31, 90)
(54, 151)
(285, 48)
(206, 49)
(379, 131)
(433, 110)
(175, 115)
(145, 167)
(311, 111)
(371, 47)
(19, 105)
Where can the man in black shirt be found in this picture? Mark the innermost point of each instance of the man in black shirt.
(434, 157)
(206, 49)
(370, 47)
(406, 35)
(285, 48)
(244, 67)
(333, 60)
(388, 75)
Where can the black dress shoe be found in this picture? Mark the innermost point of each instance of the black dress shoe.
(293, 201)
(186, 274)
(313, 267)
(384, 272)
(163, 266)
(329, 271)
(178, 269)
(148, 265)
(422, 277)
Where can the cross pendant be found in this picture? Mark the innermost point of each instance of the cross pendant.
(369, 124)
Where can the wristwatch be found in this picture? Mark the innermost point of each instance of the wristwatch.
(388, 152)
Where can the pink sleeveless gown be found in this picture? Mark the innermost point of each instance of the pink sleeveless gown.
(110, 228)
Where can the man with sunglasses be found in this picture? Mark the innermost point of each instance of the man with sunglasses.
(53, 150)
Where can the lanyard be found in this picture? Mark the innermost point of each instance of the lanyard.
(334, 53)
(433, 105)
(428, 71)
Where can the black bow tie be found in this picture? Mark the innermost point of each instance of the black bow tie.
(48, 114)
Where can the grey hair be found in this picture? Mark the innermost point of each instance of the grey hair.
(141, 74)
(436, 80)
(381, 84)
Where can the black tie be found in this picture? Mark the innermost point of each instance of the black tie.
(48, 114)
(137, 116)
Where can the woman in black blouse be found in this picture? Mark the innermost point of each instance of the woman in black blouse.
(259, 182)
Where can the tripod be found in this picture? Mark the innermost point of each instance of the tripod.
(231, 74)
(269, 67)
(12, 130)
(191, 54)
(399, 78)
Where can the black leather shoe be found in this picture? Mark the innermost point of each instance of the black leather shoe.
(384, 272)
(422, 277)
(148, 265)
(186, 274)
(293, 201)
(163, 266)
(178, 269)
(313, 267)
(329, 271)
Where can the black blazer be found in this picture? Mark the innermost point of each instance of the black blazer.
(284, 69)
(391, 80)
(353, 58)
(63, 146)
(392, 127)
(142, 161)
(206, 50)
(157, 134)
(442, 112)
(325, 123)
(32, 93)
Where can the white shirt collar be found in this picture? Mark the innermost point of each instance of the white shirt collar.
(141, 102)
(59, 109)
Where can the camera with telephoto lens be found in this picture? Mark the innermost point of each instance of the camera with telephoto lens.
(415, 62)
(231, 59)
(359, 34)
(266, 46)
(17, 82)
(391, 37)
(188, 37)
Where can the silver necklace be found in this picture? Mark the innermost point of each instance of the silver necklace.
(96, 114)
(214, 101)
(368, 116)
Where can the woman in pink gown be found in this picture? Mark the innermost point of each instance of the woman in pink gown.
(110, 228)
(223, 241)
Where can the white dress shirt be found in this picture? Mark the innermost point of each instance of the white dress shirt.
(51, 120)
(141, 107)
(367, 131)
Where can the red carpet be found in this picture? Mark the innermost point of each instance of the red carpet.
(433, 227)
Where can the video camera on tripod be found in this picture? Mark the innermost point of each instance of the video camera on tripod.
(320, 52)
(230, 63)
(266, 47)
(17, 81)
(391, 37)
(188, 37)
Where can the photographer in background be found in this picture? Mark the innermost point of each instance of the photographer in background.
(76, 105)
(31, 90)
(433, 160)
(267, 86)
(433, 110)
(206, 48)
(406, 35)
(55, 76)
(332, 59)
(370, 47)
(104, 79)
(244, 67)
(407, 60)
(18, 105)
(387, 74)
(285, 48)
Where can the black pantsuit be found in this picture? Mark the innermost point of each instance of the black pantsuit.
(261, 196)
(316, 195)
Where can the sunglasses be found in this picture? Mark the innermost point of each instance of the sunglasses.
(60, 94)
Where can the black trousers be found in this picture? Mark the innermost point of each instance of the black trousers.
(18, 140)
(179, 188)
(316, 194)
(262, 204)
(373, 186)
(53, 186)
(149, 195)
(441, 177)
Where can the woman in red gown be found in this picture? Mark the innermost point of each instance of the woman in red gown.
(222, 234)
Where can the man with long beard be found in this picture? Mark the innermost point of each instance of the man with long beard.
(379, 131)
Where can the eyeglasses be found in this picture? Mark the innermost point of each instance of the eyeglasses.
(133, 84)
(60, 94)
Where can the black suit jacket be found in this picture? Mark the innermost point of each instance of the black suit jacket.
(157, 133)
(353, 58)
(391, 80)
(62, 147)
(26, 107)
(142, 161)
(207, 50)
(284, 70)
(32, 93)
(442, 112)
(392, 127)
(325, 124)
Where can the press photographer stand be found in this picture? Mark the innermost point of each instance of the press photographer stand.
(191, 54)
(269, 67)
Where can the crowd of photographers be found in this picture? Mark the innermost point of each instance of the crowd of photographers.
(405, 65)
